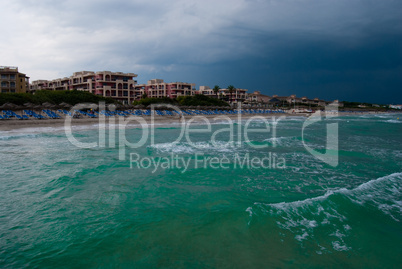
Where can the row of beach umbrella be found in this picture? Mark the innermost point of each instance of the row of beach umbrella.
(63, 105)
(46, 105)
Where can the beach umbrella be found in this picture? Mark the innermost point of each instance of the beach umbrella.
(47, 105)
(64, 105)
(28, 105)
(119, 106)
(38, 108)
(18, 108)
(8, 106)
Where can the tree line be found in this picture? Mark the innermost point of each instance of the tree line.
(54, 97)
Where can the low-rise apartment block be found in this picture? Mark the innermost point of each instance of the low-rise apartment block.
(12, 81)
(157, 88)
(237, 95)
(293, 99)
(257, 97)
(117, 85)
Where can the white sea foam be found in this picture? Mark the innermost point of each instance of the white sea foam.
(393, 121)
(301, 237)
(16, 136)
(303, 217)
(295, 118)
(385, 192)
(219, 146)
(338, 247)
(283, 140)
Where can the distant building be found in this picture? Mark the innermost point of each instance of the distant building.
(258, 99)
(205, 90)
(117, 85)
(12, 81)
(238, 95)
(158, 88)
(340, 104)
(38, 85)
(396, 106)
(293, 99)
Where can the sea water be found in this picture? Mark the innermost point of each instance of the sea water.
(111, 206)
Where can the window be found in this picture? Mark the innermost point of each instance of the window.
(12, 76)
(12, 84)
(4, 76)
(125, 93)
(125, 86)
(3, 84)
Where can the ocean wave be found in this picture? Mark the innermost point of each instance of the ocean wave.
(10, 137)
(295, 118)
(283, 140)
(393, 121)
(385, 192)
(303, 218)
(218, 146)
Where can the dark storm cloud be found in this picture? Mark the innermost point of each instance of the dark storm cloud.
(335, 49)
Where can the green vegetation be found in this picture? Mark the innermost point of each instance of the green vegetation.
(152, 100)
(231, 89)
(196, 100)
(200, 100)
(356, 104)
(53, 97)
(364, 106)
(216, 90)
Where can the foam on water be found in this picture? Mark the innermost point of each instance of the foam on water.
(303, 218)
(286, 141)
(184, 147)
(60, 203)
(393, 121)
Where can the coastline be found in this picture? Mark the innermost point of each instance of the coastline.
(15, 124)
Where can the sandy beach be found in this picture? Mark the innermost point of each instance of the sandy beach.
(15, 124)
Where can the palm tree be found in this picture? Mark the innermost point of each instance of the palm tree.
(231, 89)
(216, 90)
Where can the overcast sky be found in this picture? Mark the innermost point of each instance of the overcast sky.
(331, 49)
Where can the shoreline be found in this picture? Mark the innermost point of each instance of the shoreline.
(16, 124)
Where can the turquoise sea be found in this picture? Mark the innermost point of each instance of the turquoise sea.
(62, 206)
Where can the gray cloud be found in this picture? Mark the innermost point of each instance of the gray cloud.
(48, 39)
